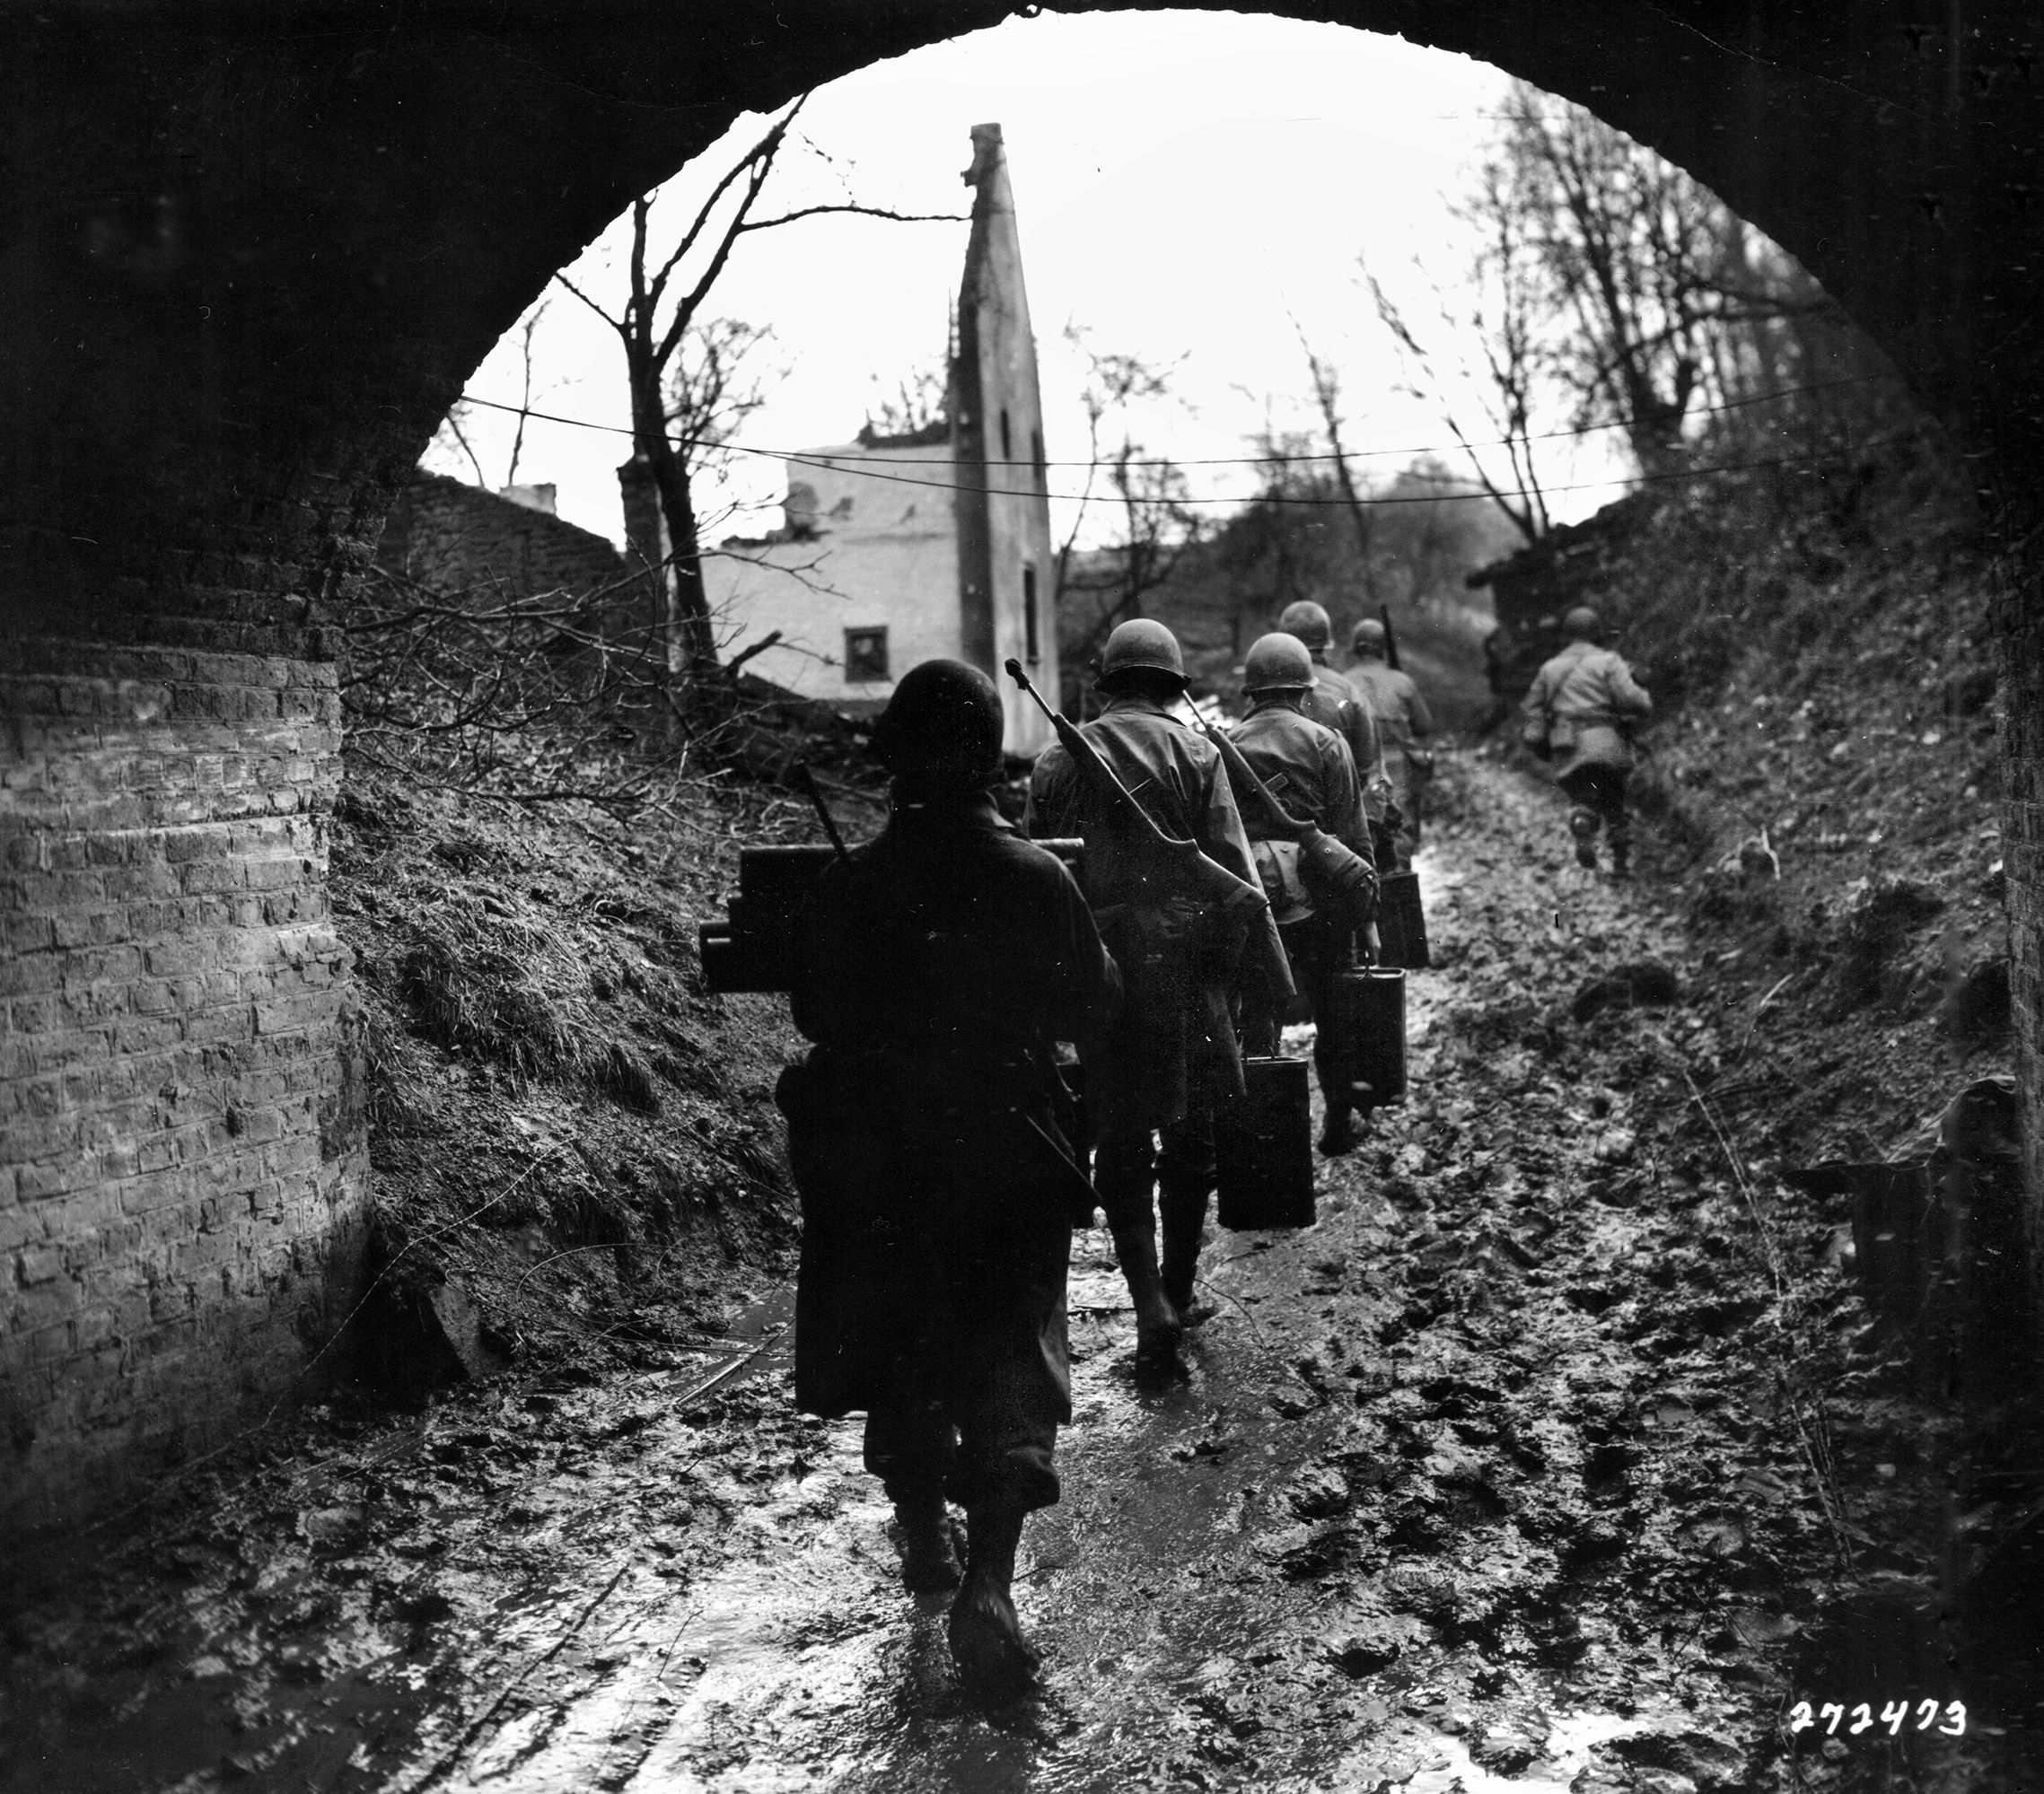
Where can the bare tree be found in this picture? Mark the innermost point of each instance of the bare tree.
(1497, 361)
(1327, 396)
(1156, 524)
(665, 298)
(456, 427)
(919, 402)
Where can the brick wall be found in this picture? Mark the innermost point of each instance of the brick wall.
(451, 534)
(2022, 638)
(184, 1180)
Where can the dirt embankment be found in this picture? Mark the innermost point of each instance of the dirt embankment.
(574, 1147)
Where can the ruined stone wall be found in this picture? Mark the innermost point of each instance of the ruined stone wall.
(452, 536)
(183, 1192)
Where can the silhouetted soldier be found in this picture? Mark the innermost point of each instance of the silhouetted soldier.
(928, 1135)
(1308, 769)
(1399, 709)
(1583, 706)
(1174, 1057)
(1335, 703)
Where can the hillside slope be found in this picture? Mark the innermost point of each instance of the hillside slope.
(1819, 652)
(574, 1147)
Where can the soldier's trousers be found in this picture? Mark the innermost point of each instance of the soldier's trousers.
(1317, 948)
(971, 1408)
(1598, 793)
(1137, 1174)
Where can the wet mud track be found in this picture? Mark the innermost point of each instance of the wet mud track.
(1496, 1477)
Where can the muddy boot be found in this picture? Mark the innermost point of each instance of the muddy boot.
(1338, 1133)
(1178, 1275)
(986, 1642)
(1158, 1329)
(929, 1548)
(1621, 856)
(1582, 824)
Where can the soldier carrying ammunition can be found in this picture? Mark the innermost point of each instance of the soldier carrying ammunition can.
(1172, 885)
(1306, 769)
(1399, 709)
(1334, 703)
(930, 1139)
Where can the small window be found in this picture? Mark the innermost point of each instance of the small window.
(866, 656)
(1007, 450)
(1031, 650)
(1036, 454)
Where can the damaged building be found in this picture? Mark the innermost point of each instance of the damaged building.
(900, 549)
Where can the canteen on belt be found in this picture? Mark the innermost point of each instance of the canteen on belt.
(1263, 1153)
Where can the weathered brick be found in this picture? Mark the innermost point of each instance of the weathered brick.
(37, 1264)
(136, 954)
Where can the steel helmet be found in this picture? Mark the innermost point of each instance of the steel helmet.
(1142, 642)
(1583, 624)
(942, 723)
(1308, 622)
(1368, 637)
(1277, 663)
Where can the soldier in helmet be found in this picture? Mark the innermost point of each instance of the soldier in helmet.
(1335, 703)
(1583, 705)
(1403, 721)
(1308, 770)
(1174, 1057)
(928, 1134)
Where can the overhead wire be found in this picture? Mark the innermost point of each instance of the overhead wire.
(1233, 461)
(866, 471)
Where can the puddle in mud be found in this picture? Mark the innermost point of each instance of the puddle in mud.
(1450, 1769)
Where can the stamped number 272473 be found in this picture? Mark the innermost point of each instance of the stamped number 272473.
(1893, 1716)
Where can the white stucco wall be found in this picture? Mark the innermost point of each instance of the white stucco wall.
(885, 555)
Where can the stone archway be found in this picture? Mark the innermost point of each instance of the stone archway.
(245, 266)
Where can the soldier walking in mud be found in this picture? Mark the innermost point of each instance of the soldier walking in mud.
(1583, 705)
(1399, 709)
(1174, 1057)
(930, 1139)
(1307, 768)
(1335, 703)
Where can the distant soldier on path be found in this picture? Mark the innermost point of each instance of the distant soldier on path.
(1174, 1057)
(1335, 703)
(1399, 709)
(1308, 768)
(1583, 706)
(928, 1136)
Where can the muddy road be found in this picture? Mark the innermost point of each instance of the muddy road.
(1510, 1473)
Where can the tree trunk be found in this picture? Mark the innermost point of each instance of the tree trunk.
(687, 641)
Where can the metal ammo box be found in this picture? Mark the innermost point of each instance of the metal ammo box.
(753, 949)
(1401, 922)
(1263, 1155)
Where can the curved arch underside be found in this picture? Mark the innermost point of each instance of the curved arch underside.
(276, 244)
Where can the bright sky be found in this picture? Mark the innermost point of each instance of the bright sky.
(1186, 186)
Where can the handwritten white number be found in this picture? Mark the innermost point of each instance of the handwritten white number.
(1926, 1710)
(1893, 1714)
(1836, 1713)
(1799, 1718)
(1954, 1719)
(1862, 1717)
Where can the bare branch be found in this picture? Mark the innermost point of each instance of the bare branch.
(857, 212)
